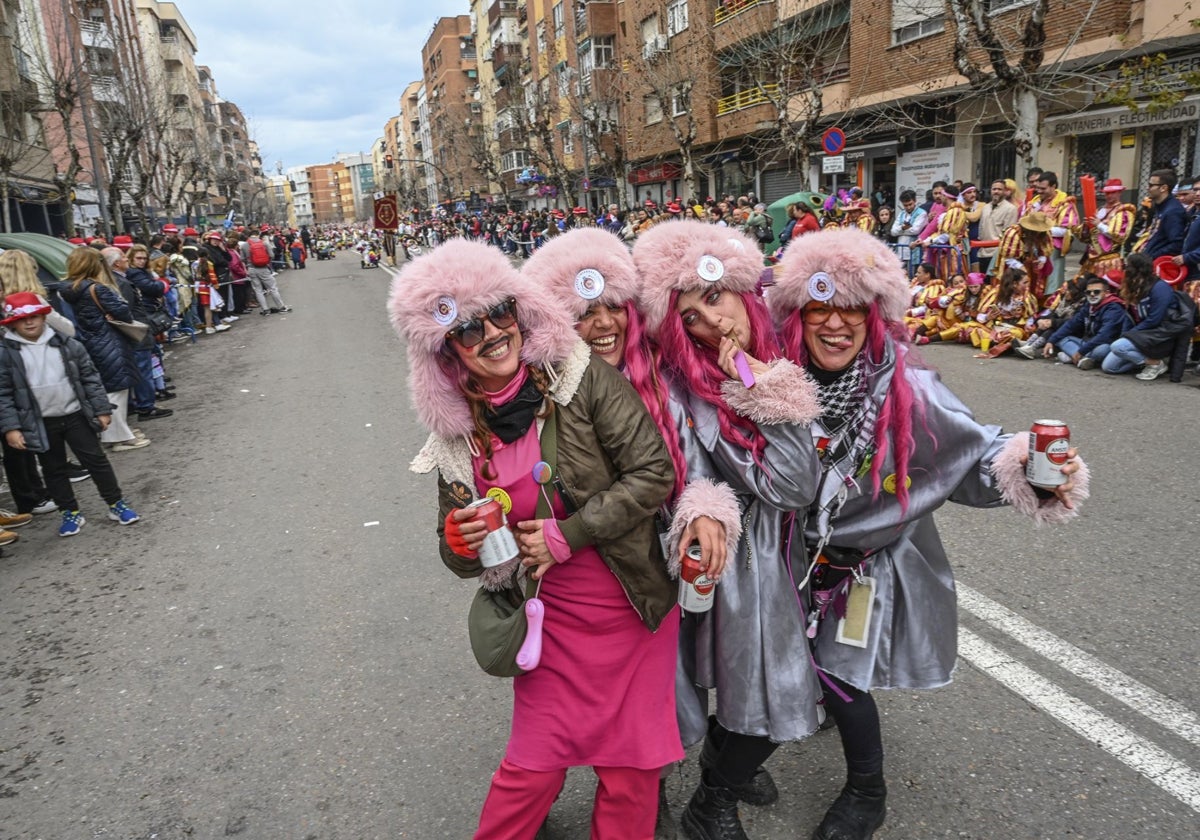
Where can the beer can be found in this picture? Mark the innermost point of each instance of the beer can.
(499, 546)
(695, 587)
(1049, 441)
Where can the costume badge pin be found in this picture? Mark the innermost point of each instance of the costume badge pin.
(589, 284)
(710, 268)
(890, 483)
(499, 495)
(542, 474)
(445, 311)
(821, 287)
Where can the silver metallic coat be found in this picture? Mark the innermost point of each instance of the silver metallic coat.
(751, 646)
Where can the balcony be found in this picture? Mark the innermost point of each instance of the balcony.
(728, 9)
(747, 98)
(596, 18)
(106, 88)
(504, 54)
(170, 48)
(501, 9)
(95, 34)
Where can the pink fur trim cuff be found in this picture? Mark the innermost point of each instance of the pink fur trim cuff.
(1016, 491)
(784, 394)
(704, 497)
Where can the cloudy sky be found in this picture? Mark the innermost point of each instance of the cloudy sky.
(314, 79)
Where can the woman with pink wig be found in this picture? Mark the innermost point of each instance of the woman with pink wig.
(591, 275)
(700, 302)
(493, 364)
(895, 444)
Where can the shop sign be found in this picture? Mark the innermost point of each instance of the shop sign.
(918, 170)
(833, 165)
(655, 174)
(1117, 119)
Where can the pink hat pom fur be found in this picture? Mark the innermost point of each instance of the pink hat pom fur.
(555, 269)
(863, 269)
(468, 278)
(669, 255)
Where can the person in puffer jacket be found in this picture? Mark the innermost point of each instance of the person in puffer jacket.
(1085, 340)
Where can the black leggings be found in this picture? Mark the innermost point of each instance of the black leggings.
(739, 756)
(858, 724)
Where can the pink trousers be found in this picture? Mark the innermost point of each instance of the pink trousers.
(519, 800)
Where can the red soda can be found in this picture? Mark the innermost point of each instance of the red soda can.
(1049, 441)
(499, 546)
(695, 587)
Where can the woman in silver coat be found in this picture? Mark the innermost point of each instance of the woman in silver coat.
(700, 302)
(894, 444)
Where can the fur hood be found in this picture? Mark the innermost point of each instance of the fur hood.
(454, 282)
(685, 254)
(859, 267)
(582, 267)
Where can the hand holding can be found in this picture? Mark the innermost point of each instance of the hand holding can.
(499, 545)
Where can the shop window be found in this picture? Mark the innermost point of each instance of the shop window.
(1091, 157)
(998, 155)
(1166, 148)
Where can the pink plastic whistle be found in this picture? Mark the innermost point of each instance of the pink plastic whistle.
(530, 653)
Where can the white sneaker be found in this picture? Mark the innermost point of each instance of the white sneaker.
(1151, 372)
(132, 443)
(230, 319)
(209, 330)
(220, 328)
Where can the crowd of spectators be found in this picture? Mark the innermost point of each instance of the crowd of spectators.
(120, 306)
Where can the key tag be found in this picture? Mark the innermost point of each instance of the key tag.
(854, 627)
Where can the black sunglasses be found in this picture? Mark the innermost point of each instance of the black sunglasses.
(469, 333)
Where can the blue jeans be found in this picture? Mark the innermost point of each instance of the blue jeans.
(1122, 357)
(143, 389)
(1070, 345)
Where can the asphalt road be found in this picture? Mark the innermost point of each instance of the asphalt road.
(276, 651)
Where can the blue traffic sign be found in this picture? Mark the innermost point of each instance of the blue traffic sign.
(833, 140)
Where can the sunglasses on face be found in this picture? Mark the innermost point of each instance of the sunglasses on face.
(816, 314)
(1095, 294)
(470, 333)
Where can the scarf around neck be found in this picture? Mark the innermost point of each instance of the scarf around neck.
(510, 420)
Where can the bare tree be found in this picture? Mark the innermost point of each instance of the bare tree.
(669, 77)
(788, 68)
(22, 147)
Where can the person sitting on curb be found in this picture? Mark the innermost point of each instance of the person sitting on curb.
(1084, 340)
(52, 396)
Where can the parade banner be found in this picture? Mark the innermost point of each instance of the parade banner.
(387, 217)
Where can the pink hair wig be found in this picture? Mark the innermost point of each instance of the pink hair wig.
(466, 278)
(695, 366)
(555, 269)
(669, 258)
(642, 368)
(862, 268)
(894, 425)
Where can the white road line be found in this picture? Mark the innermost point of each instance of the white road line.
(1155, 764)
(1141, 698)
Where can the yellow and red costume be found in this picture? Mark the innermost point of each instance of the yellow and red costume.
(1114, 224)
(956, 311)
(947, 246)
(924, 311)
(1001, 321)
(1033, 256)
(1062, 213)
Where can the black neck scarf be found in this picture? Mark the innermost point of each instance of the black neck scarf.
(512, 420)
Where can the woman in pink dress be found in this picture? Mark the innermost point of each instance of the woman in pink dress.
(490, 359)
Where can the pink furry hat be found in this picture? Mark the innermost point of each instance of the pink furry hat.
(583, 267)
(686, 254)
(846, 267)
(452, 283)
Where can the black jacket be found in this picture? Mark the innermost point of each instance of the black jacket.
(111, 352)
(19, 409)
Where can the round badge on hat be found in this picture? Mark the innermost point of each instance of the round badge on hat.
(710, 268)
(445, 311)
(821, 287)
(589, 284)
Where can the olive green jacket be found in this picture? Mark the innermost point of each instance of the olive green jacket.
(617, 472)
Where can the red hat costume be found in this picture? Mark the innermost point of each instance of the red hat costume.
(1113, 185)
(123, 242)
(20, 305)
(1165, 269)
(170, 230)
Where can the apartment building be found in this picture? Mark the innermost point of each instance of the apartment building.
(450, 78)
(664, 98)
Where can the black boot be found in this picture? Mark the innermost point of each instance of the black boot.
(760, 790)
(664, 823)
(858, 810)
(712, 814)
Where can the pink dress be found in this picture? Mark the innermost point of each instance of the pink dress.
(604, 693)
